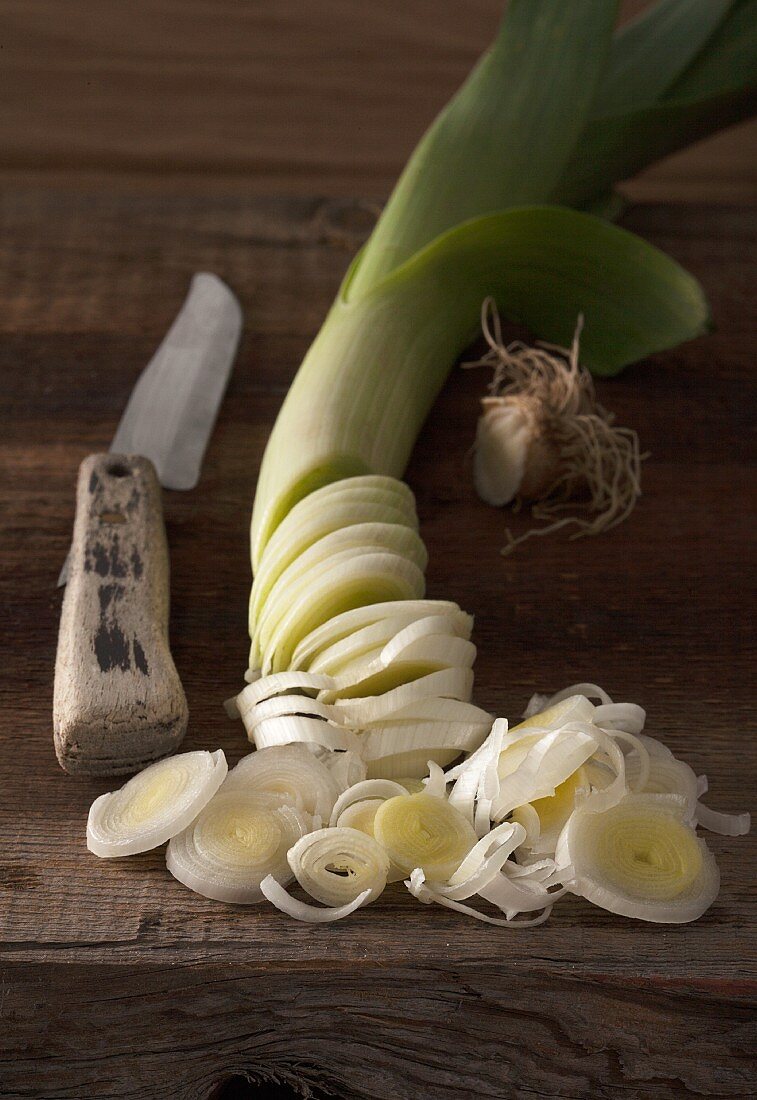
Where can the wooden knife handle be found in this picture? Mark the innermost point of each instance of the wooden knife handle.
(118, 701)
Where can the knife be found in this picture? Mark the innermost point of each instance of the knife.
(118, 701)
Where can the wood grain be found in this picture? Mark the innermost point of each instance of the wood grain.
(118, 702)
(117, 982)
(302, 96)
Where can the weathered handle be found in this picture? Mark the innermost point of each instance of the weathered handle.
(118, 701)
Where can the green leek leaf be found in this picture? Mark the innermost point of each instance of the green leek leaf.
(649, 53)
(505, 137)
(718, 89)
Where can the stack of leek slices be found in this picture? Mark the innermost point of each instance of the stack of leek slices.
(347, 655)
(574, 799)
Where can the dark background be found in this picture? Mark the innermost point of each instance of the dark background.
(303, 96)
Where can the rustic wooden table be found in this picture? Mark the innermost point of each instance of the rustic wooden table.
(116, 981)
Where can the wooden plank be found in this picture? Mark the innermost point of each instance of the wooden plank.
(117, 981)
(279, 95)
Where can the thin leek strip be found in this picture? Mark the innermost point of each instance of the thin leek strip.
(265, 687)
(293, 773)
(621, 716)
(590, 691)
(724, 824)
(552, 813)
(368, 578)
(419, 830)
(342, 627)
(272, 889)
(641, 859)
(337, 865)
(234, 843)
(347, 768)
(418, 887)
(454, 683)
(292, 728)
(283, 601)
(154, 805)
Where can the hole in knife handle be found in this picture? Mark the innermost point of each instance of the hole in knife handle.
(117, 469)
(112, 517)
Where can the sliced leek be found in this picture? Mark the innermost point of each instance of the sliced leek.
(292, 773)
(154, 805)
(641, 858)
(419, 830)
(237, 840)
(337, 865)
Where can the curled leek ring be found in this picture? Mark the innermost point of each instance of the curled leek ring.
(335, 866)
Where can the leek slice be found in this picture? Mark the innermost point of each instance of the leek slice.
(329, 551)
(361, 815)
(372, 675)
(154, 805)
(291, 540)
(265, 687)
(337, 865)
(453, 683)
(641, 859)
(369, 788)
(457, 625)
(367, 578)
(235, 842)
(413, 762)
(289, 728)
(296, 587)
(292, 773)
(419, 830)
(343, 627)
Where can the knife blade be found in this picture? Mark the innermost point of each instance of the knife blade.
(173, 406)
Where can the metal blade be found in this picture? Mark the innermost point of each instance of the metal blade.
(173, 406)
